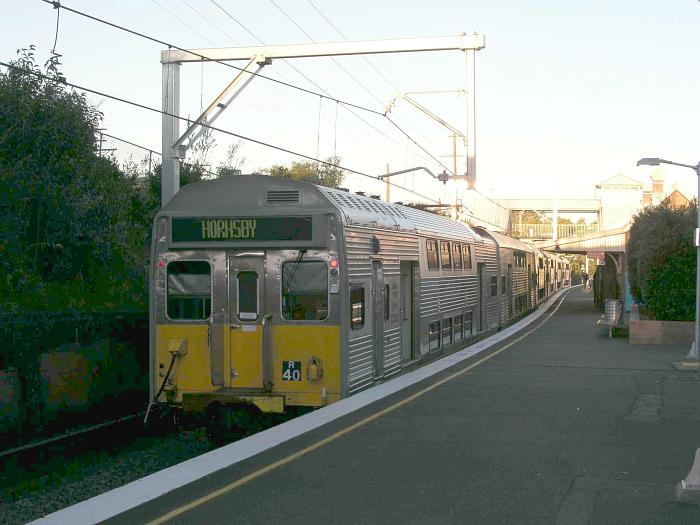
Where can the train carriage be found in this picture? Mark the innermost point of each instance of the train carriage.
(269, 293)
(515, 264)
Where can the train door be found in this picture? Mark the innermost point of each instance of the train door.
(246, 320)
(407, 311)
(510, 291)
(378, 307)
(481, 272)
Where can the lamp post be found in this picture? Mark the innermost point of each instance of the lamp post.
(655, 162)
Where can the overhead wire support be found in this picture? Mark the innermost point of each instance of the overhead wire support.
(213, 128)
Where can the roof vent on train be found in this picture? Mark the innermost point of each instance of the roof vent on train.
(283, 197)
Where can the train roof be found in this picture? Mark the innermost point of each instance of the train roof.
(245, 193)
(503, 241)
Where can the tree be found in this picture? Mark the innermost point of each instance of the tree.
(67, 231)
(662, 259)
(328, 174)
(233, 164)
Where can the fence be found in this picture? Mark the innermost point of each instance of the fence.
(544, 231)
(59, 369)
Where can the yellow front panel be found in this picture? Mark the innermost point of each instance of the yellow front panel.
(300, 344)
(191, 371)
(246, 356)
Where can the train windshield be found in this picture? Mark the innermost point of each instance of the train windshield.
(189, 290)
(305, 290)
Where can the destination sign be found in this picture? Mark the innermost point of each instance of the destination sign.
(241, 229)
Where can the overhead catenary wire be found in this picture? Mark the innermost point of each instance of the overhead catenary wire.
(355, 79)
(58, 5)
(367, 61)
(208, 126)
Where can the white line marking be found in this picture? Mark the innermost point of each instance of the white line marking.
(121, 499)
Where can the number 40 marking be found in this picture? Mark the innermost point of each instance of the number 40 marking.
(291, 370)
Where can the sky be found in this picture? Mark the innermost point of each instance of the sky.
(568, 94)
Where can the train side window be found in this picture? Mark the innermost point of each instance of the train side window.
(458, 325)
(467, 251)
(503, 284)
(247, 296)
(447, 331)
(468, 324)
(434, 335)
(494, 286)
(445, 255)
(387, 302)
(305, 290)
(357, 307)
(457, 255)
(541, 263)
(431, 250)
(189, 290)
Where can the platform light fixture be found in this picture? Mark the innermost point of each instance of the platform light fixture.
(650, 161)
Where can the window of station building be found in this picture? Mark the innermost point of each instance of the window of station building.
(434, 335)
(387, 302)
(432, 252)
(468, 324)
(305, 290)
(247, 296)
(457, 255)
(494, 286)
(445, 255)
(467, 251)
(357, 307)
(189, 290)
(447, 331)
(459, 326)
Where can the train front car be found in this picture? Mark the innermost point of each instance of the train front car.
(245, 297)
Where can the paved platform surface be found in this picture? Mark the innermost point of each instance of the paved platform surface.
(564, 426)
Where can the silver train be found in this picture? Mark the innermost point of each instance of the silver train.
(271, 293)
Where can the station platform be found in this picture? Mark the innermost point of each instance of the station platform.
(553, 423)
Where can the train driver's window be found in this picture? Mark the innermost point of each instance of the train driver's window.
(445, 255)
(432, 252)
(357, 307)
(305, 290)
(189, 290)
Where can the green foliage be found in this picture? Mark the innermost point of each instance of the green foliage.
(662, 260)
(68, 232)
(330, 174)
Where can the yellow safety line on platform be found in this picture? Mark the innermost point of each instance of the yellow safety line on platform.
(325, 441)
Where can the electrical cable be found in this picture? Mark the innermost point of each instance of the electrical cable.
(213, 128)
(58, 5)
(55, 40)
(314, 83)
(370, 64)
(188, 26)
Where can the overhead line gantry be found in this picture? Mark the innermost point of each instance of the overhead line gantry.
(175, 145)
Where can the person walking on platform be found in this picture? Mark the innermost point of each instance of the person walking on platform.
(584, 278)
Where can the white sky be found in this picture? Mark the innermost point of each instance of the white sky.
(568, 93)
